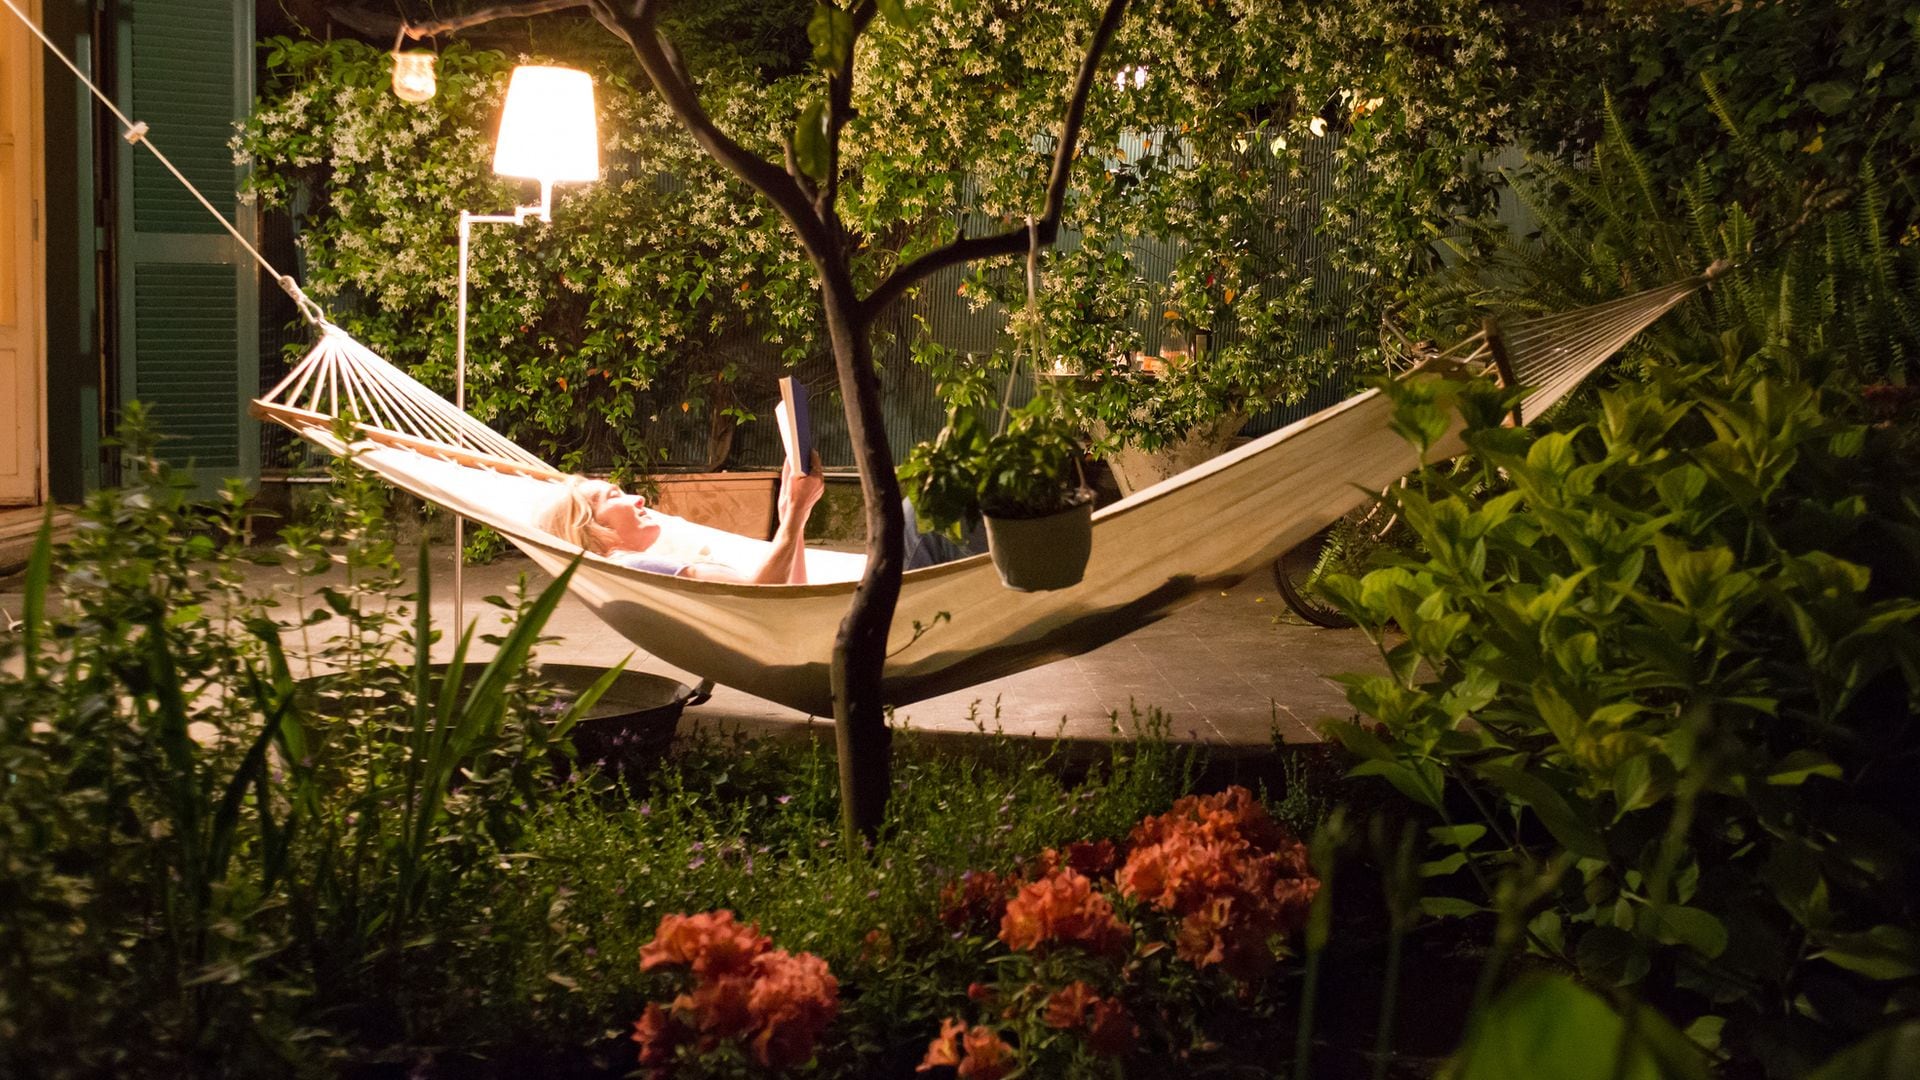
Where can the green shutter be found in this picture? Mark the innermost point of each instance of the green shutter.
(188, 292)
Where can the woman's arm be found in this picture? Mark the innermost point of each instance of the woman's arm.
(786, 561)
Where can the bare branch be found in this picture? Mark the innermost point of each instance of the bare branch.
(967, 249)
(801, 179)
(523, 9)
(637, 29)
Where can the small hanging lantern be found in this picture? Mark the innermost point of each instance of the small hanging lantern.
(413, 78)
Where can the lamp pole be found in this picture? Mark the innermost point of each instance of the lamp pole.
(544, 211)
(549, 133)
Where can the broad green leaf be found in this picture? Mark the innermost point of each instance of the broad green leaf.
(1448, 907)
(1460, 836)
(810, 149)
(1698, 930)
(1545, 1027)
(899, 14)
(1551, 807)
(1887, 1054)
(1422, 782)
(1884, 952)
(1445, 866)
(831, 33)
(1610, 956)
(1798, 765)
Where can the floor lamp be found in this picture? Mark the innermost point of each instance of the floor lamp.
(547, 133)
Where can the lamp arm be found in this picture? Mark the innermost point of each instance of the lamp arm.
(636, 28)
(1046, 227)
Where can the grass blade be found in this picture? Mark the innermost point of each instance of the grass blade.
(39, 577)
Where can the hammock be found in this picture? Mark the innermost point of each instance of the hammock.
(955, 625)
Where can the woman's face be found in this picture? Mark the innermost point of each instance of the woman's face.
(621, 512)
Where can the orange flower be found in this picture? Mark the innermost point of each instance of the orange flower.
(988, 1058)
(710, 943)
(945, 1047)
(717, 1007)
(1235, 877)
(657, 1033)
(1062, 908)
(1068, 1004)
(1112, 1032)
(794, 998)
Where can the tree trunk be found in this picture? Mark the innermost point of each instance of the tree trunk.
(860, 651)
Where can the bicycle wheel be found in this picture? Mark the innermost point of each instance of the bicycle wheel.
(1294, 571)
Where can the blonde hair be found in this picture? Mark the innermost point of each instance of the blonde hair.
(570, 517)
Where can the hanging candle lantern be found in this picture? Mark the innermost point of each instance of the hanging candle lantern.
(413, 78)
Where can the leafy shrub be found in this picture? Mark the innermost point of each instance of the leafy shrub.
(1674, 658)
(240, 866)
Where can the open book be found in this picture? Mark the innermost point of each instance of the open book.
(796, 424)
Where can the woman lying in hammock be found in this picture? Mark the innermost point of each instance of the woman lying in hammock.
(600, 518)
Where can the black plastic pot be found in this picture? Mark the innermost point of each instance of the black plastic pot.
(1038, 554)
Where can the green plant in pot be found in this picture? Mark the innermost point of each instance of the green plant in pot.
(1019, 474)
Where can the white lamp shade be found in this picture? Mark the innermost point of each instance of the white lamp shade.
(548, 131)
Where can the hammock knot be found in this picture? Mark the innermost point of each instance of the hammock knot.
(309, 310)
(135, 132)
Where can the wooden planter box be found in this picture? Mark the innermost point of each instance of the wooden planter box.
(739, 502)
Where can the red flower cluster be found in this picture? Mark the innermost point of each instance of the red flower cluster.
(1063, 909)
(978, 1052)
(1110, 1029)
(775, 1002)
(1233, 876)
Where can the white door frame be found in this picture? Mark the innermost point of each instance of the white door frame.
(24, 69)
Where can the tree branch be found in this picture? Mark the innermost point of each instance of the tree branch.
(967, 249)
(416, 31)
(839, 111)
(656, 59)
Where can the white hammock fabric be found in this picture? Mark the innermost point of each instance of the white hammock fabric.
(955, 625)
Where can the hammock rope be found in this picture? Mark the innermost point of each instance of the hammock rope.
(137, 133)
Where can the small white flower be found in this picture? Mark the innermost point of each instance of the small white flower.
(1318, 125)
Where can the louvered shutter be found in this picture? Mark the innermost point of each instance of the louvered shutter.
(188, 294)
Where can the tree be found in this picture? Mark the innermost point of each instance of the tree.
(805, 189)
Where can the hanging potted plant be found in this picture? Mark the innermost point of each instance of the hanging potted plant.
(1022, 480)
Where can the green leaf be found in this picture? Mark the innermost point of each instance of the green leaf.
(831, 32)
(1698, 930)
(1551, 807)
(1460, 836)
(1545, 1027)
(1884, 952)
(1830, 97)
(1445, 866)
(1797, 766)
(1448, 907)
(1887, 1054)
(897, 13)
(810, 150)
(1422, 782)
(1610, 956)
(33, 610)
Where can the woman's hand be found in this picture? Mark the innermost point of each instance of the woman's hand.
(800, 491)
